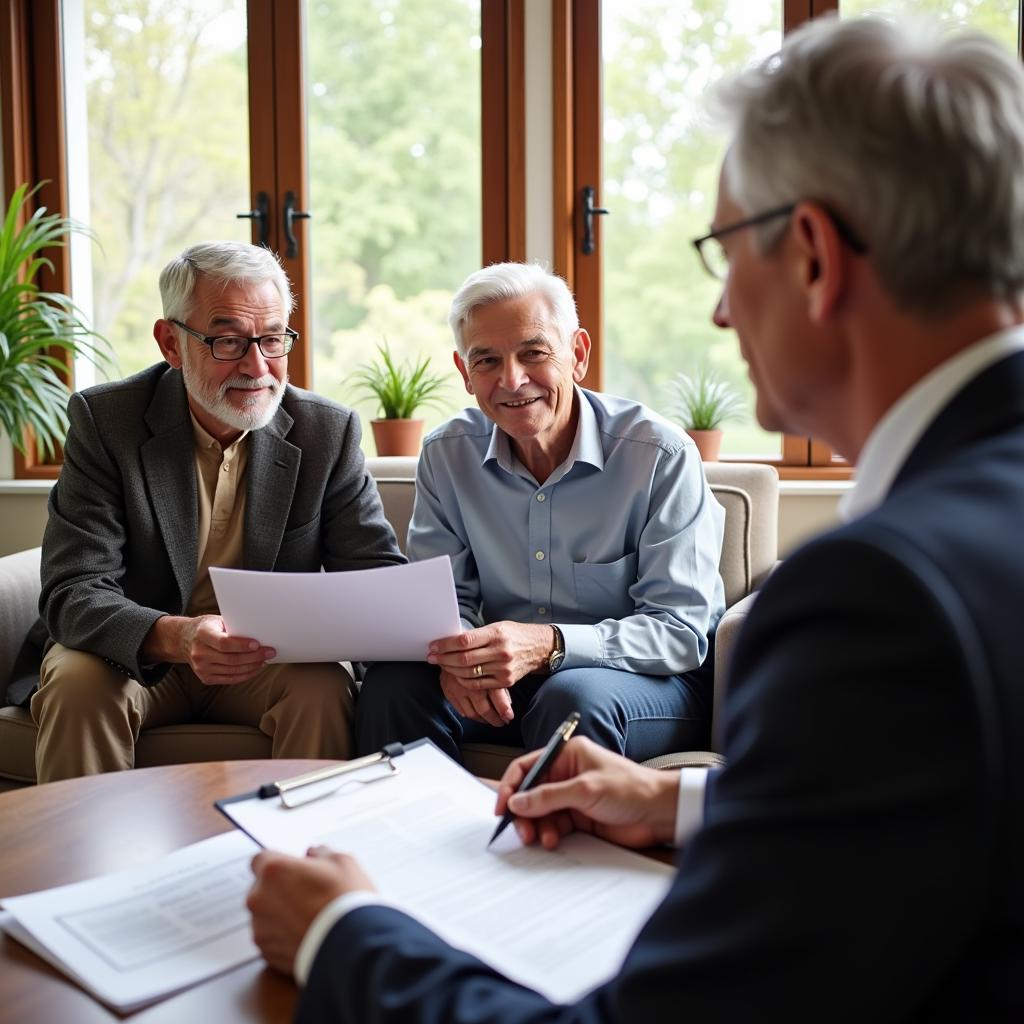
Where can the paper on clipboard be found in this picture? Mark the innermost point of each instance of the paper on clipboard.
(421, 834)
(386, 614)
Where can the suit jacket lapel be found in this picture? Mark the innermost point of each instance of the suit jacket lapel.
(989, 404)
(270, 485)
(171, 478)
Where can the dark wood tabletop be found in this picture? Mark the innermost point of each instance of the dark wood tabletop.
(69, 831)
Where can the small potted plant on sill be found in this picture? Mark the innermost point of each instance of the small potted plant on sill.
(400, 389)
(37, 328)
(701, 403)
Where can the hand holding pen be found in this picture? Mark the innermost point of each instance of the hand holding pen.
(540, 767)
(590, 789)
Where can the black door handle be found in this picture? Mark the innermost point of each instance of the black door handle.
(590, 211)
(261, 215)
(290, 216)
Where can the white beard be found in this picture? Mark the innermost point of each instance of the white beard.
(255, 413)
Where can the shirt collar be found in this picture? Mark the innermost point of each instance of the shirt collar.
(890, 443)
(205, 441)
(586, 445)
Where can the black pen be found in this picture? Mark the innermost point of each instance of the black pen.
(541, 765)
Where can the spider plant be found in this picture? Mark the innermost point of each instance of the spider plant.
(35, 326)
(703, 400)
(400, 389)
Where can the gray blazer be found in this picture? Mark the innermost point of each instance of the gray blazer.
(121, 544)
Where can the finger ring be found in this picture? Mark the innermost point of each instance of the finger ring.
(478, 671)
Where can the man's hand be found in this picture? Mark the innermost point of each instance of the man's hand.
(590, 789)
(204, 644)
(290, 891)
(494, 657)
(492, 706)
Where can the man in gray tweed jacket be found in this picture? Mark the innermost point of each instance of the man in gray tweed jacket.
(209, 458)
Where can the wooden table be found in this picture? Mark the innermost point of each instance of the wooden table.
(69, 831)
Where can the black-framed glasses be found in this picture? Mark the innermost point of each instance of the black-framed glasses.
(229, 348)
(715, 259)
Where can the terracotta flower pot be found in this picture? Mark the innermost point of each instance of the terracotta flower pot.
(397, 437)
(708, 442)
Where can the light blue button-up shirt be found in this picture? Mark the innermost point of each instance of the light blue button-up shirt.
(619, 547)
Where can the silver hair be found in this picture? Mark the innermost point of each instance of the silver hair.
(912, 137)
(219, 261)
(502, 281)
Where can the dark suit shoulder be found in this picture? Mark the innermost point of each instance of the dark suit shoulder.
(300, 402)
(136, 389)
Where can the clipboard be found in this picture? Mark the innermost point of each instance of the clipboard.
(291, 794)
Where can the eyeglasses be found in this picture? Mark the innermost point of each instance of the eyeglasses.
(229, 348)
(715, 259)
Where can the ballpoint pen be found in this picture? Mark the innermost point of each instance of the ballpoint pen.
(541, 765)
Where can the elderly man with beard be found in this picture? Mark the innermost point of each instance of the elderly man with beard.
(208, 458)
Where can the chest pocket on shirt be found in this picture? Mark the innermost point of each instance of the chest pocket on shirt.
(602, 588)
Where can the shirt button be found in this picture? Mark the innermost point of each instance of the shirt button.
(541, 496)
(226, 467)
(539, 556)
(542, 611)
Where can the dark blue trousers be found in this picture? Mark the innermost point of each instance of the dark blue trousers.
(638, 716)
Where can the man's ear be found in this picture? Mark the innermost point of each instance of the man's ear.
(822, 267)
(580, 355)
(167, 338)
(462, 369)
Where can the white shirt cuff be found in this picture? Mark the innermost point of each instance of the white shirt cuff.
(321, 925)
(690, 809)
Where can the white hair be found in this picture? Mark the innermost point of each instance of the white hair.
(912, 138)
(502, 281)
(219, 261)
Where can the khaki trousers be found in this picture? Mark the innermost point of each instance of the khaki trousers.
(89, 714)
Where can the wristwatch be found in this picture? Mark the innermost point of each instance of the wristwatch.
(557, 656)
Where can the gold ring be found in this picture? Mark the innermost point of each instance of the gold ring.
(478, 671)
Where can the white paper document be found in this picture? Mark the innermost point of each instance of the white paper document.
(386, 614)
(421, 834)
(136, 936)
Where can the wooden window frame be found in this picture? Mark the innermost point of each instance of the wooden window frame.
(577, 98)
(33, 138)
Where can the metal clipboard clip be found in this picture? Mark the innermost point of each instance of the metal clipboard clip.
(303, 789)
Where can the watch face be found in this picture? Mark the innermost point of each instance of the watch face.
(555, 661)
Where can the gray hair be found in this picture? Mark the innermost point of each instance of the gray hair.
(913, 138)
(219, 261)
(502, 281)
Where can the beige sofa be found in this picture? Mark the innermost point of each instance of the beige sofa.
(748, 492)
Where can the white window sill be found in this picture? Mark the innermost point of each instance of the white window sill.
(814, 488)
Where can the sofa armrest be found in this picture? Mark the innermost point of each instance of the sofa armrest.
(725, 642)
(19, 605)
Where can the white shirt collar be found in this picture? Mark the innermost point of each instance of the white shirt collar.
(898, 431)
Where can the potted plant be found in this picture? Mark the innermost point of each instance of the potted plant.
(400, 389)
(34, 323)
(701, 403)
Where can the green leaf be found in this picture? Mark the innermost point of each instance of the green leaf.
(399, 389)
(34, 323)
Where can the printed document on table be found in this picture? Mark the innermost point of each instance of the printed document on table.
(386, 614)
(560, 922)
(139, 935)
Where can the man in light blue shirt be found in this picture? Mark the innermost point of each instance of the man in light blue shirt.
(584, 540)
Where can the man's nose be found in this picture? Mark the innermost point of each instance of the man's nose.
(254, 362)
(513, 375)
(720, 316)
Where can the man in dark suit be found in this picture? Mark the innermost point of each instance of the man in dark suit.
(209, 458)
(859, 858)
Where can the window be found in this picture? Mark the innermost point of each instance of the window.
(157, 112)
(395, 182)
(661, 163)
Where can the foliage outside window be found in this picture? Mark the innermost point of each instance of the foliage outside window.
(394, 144)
